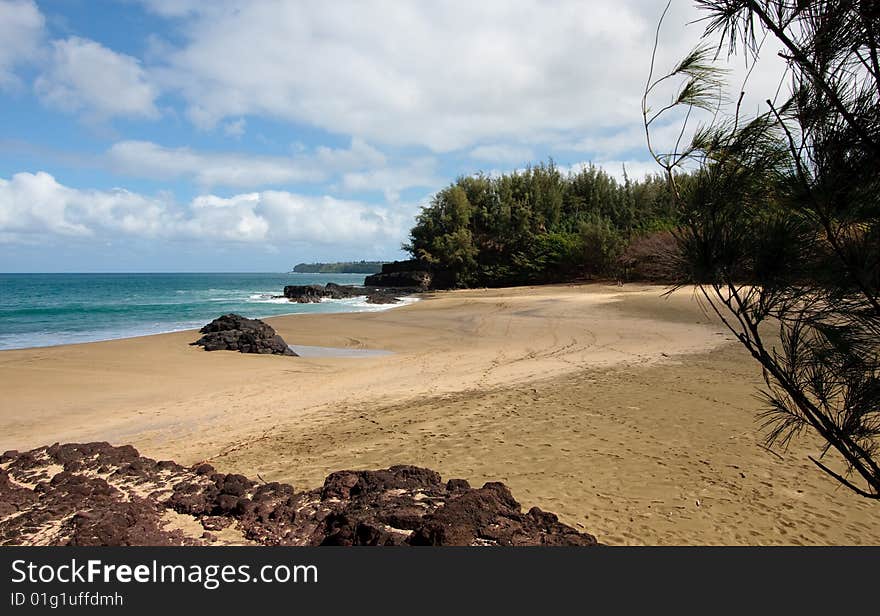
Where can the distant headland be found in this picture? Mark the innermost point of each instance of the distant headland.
(344, 267)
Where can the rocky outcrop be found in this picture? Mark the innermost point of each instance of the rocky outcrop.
(382, 298)
(233, 332)
(413, 279)
(412, 274)
(313, 293)
(97, 494)
(304, 294)
(338, 291)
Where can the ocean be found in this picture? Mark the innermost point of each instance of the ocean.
(39, 310)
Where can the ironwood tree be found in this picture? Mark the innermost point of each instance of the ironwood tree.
(781, 214)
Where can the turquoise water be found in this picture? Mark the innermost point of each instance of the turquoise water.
(50, 309)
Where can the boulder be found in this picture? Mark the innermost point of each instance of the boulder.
(382, 298)
(233, 332)
(304, 294)
(97, 494)
(338, 291)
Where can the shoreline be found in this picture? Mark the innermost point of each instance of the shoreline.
(127, 370)
(630, 415)
(381, 308)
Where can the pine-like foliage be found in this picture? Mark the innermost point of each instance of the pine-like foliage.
(537, 225)
(781, 220)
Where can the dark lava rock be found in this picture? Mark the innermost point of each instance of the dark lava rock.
(233, 332)
(381, 298)
(417, 279)
(304, 294)
(313, 293)
(97, 494)
(338, 291)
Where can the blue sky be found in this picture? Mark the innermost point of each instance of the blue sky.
(169, 135)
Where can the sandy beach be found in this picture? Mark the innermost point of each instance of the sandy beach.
(629, 414)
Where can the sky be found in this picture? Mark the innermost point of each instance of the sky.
(178, 135)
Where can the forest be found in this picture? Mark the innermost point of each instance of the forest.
(342, 267)
(543, 225)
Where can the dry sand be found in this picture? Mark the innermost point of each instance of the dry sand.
(630, 415)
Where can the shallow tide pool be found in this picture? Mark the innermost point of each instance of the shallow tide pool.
(320, 351)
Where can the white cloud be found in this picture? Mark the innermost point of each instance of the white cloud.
(446, 76)
(329, 220)
(360, 154)
(635, 169)
(174, 8)
(21, 31)
(150, 160)
(235, 128)
(612, 150)
(612, 143)
(84, 76)
(392, 180)
(37, 205)
(452, 75)
(503, 153)
(241, 170)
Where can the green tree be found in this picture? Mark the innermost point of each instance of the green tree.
(602, 245)
(781, 220)
(535, 225)
(442, 235)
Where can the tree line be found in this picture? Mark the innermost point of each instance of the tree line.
(343, 267)
(541, 225)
